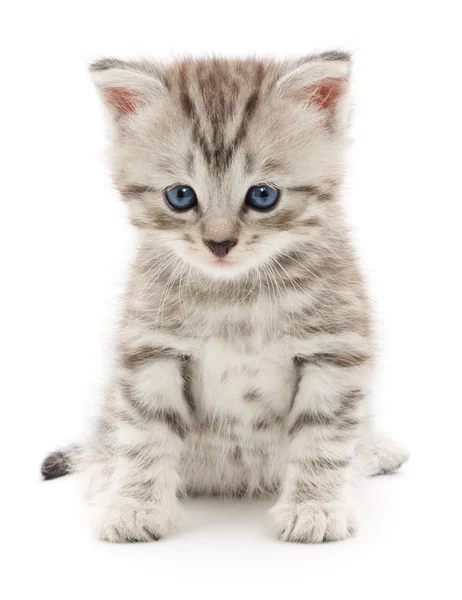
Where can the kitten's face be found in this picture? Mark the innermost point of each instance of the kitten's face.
(228, 164)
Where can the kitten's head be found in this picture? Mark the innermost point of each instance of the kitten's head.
(228, 164)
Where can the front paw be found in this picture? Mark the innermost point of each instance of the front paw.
(311, 522)
(131, 520)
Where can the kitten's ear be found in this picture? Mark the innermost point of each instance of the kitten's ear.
(125, 87)
(320, 81)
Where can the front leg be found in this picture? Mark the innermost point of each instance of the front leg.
(142, 433)
(328, 418)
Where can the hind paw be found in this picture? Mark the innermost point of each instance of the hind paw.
(384, 455)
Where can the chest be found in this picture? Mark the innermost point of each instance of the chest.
(243, 383)
(243, 394)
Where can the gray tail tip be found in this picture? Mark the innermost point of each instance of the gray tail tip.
(55, 465)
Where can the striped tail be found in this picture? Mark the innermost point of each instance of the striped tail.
(61, 462)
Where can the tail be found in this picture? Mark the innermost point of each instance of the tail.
(62, 462)
(381, 455)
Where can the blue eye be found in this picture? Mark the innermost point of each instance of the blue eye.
(181, 197)
(262, 197)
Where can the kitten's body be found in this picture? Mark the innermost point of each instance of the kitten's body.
(246, 375)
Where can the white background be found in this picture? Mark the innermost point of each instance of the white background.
(65, 247)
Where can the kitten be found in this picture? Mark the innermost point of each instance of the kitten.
(244, 355)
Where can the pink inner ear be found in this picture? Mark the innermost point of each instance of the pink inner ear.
(122, 99)
(325, 93)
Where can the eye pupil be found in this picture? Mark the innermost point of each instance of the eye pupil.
(181, 197)
(262, 197)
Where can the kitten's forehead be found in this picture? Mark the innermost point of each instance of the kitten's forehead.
(219, 99)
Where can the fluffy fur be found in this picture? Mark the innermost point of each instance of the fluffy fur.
(248, 374)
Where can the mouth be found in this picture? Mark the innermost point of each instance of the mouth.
(223, 262)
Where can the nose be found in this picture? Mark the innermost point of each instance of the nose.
(220, 248)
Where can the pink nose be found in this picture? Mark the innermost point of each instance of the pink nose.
(220, 248)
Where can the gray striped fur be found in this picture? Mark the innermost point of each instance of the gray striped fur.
(249, 374)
